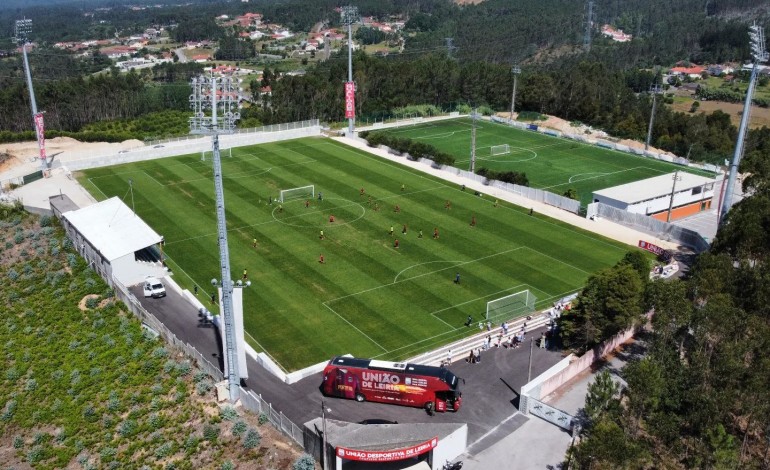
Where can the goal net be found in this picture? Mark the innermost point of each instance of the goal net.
(297, 193)
(208, 154)
(500, 149)
(511, 306)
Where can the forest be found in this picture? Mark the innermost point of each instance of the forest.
(698, 396)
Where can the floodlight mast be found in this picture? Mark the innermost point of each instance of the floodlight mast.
(214, 93)
(350, 16)
(655, 90)
(759, 55)
(515, 70)
(22, 31)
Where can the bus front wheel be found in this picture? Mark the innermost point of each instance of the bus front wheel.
(360, 397)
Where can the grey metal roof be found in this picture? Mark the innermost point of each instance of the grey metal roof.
(652, 188)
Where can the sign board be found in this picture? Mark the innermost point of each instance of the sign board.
(651, 248)
(40, 130)
(551, 414)
(387, 455)
(350, 100)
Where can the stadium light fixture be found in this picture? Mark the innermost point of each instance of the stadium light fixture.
(215, 105)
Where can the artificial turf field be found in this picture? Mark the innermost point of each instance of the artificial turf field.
(368, 298)
(551, 163)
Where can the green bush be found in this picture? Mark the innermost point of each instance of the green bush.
(304, 462)
(239, 428)
(415, 149)
(252, 439)
(92, 302)
(263, 419)
(228, 466)
(210, 432)
(228, 413)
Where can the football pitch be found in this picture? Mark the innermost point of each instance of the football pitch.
(369, 298)
(551, 163)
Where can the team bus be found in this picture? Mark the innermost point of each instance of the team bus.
(429, 387)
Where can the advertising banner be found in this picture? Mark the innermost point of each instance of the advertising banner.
(651, 248)
(387, 455)
(350, 100)
(40, 130)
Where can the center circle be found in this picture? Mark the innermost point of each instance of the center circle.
(315, 211)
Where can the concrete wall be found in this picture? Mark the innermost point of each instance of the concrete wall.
(84, 160)
(450, 447)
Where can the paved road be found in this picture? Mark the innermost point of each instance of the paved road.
(490, 391)
(180, 53)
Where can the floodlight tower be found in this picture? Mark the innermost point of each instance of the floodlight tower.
(215, 94)
(589, 26)
(759, 54)
(515, 70)
(655, 90)
(22, 30)
(350, 16)
(472, 167)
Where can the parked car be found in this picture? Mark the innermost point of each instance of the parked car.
(153, 287)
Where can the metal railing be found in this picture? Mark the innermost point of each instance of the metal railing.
(256, 404)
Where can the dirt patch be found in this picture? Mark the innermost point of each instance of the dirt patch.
(82, 303)
(562, 125)
(759, 116)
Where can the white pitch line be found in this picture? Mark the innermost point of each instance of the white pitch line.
(427, 274)
(150, 176)
(557, 260)
(354, 327)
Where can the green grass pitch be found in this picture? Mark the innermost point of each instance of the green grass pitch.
(369, 298)
(551, 163)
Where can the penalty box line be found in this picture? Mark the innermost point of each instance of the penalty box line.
(416, 344)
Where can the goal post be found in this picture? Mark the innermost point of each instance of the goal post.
(500, 149)
(511, 306)
(297, 193)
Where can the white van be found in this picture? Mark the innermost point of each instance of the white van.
(153, 287)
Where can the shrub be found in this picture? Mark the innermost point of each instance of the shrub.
(304, 462)
(183, 368)
(252, 439)
(203, 387)
(127, 428)
(228, 466)
(31, 385)
(72, 260)
(92, 302)
(164, 450)
(263, 418)
(191, 443)
(45, 220)
(228, 413)
(239, 427)
(12, 274)
(108, 453)
(18, 442)
(35, 454)
(210, 432)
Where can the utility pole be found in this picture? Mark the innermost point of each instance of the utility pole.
(589, 26)
(350, 16)
(473, 143)
(323, 421)
(655, 90)
(515, 70)
(23, 29)
(759, 54)
(531, 347)
(676, 178)
(212, 93)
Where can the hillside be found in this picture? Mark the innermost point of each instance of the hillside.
(84, 386)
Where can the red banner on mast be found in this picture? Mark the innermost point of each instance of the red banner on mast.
(350, 100)
(40, 131)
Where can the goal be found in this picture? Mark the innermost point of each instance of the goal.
(500, 149)
(222, 153)
(297, 193)
(511, 306)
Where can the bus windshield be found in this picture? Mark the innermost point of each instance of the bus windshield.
(451, 380)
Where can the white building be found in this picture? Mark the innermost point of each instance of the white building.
(115, 241)
(652, 196)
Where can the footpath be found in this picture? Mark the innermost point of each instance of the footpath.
(540, 445)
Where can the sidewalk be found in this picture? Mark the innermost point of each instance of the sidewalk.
(539, 445)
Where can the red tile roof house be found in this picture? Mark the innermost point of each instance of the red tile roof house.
(693, 72)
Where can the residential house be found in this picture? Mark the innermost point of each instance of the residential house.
(693, 71)
(615, 34)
